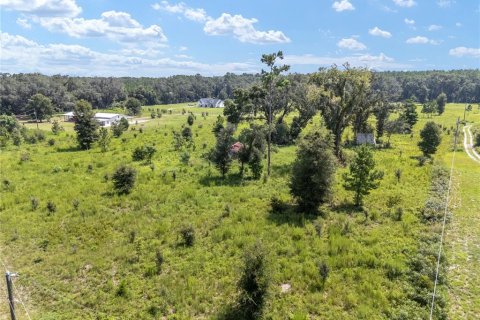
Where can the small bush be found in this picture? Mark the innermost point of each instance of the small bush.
(34, 203)
(159, 261)
(254, 282)
(124, 179)
(75, 204)
(318, 225)
(51, 142)
(51, 207)
(398, 174)
(188, 236)
(323, 270)
(122, 290)
(398, 214)
(277, 205)
(422, 160)
(190, 119)
(25, 157)
(143, 153)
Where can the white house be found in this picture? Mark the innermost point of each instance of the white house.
(366, 138)
(103, 119)
(210, 103)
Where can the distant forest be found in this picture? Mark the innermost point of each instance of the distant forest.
(102, 92)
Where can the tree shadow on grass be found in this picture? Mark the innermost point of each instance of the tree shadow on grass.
(69, 149)
(233, 180)
(282, 170)
(348, 208)
(289, 213)
(231, 312)
(236, 311)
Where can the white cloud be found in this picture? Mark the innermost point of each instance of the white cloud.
(465, 52)
(343, 5)
(445, 3)
(379, 32)
(379, 62)
(22, 22)
(434, 27)
(243, 29)
(410, 22)
(421, 40)
(351, 44)
(43, 8)
(23, 55)
(458, 24)
(183, 56)
(182, 48)
(114, 25)
(236, 25)
(380, 58)
(405, 3)
(198, 15)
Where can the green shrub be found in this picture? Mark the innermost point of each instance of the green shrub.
(143, 153)
(313, 171)
(188, 236)
(277, 205)
(124, 179)
(25, 157)
(430, 138)
(159, 261)
(122, 290)
(254, 282)
(51, 207)
(34, 203)
(323, 270)
(190, 119)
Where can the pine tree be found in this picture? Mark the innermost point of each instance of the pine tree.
(430, 138)
(313, 171)
(85, 124)
(220, 155)
(409, 114)
(441, 102)
(104, 139)
(362, 176)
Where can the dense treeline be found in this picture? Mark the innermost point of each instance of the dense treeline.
(64, 91)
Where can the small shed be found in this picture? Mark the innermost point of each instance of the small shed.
(365, 138)
(68, 117)
(235, 148)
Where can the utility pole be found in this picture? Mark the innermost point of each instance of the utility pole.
(456, 133)
(36, 118)
(8, 277)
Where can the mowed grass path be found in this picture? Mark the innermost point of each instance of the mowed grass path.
(73, 261)
(463, 235)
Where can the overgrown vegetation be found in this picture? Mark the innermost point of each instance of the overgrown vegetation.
(168, 242)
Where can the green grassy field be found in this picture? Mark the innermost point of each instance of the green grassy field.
(73, 261)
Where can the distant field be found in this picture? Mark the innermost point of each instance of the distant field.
(72, 261)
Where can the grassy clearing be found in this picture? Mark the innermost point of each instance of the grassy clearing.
(463, 237)
(73, 261)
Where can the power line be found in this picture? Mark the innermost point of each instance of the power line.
(61, 297)
(21, 301)
(444, 222)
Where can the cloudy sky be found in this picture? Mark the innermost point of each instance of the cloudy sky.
(161, 38)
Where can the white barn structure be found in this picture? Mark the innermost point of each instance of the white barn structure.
(104, 119)
(210, 103)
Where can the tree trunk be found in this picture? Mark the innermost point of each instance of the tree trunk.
(338, 137)
(269, 137)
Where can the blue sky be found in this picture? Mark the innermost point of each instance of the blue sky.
(161, 38)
